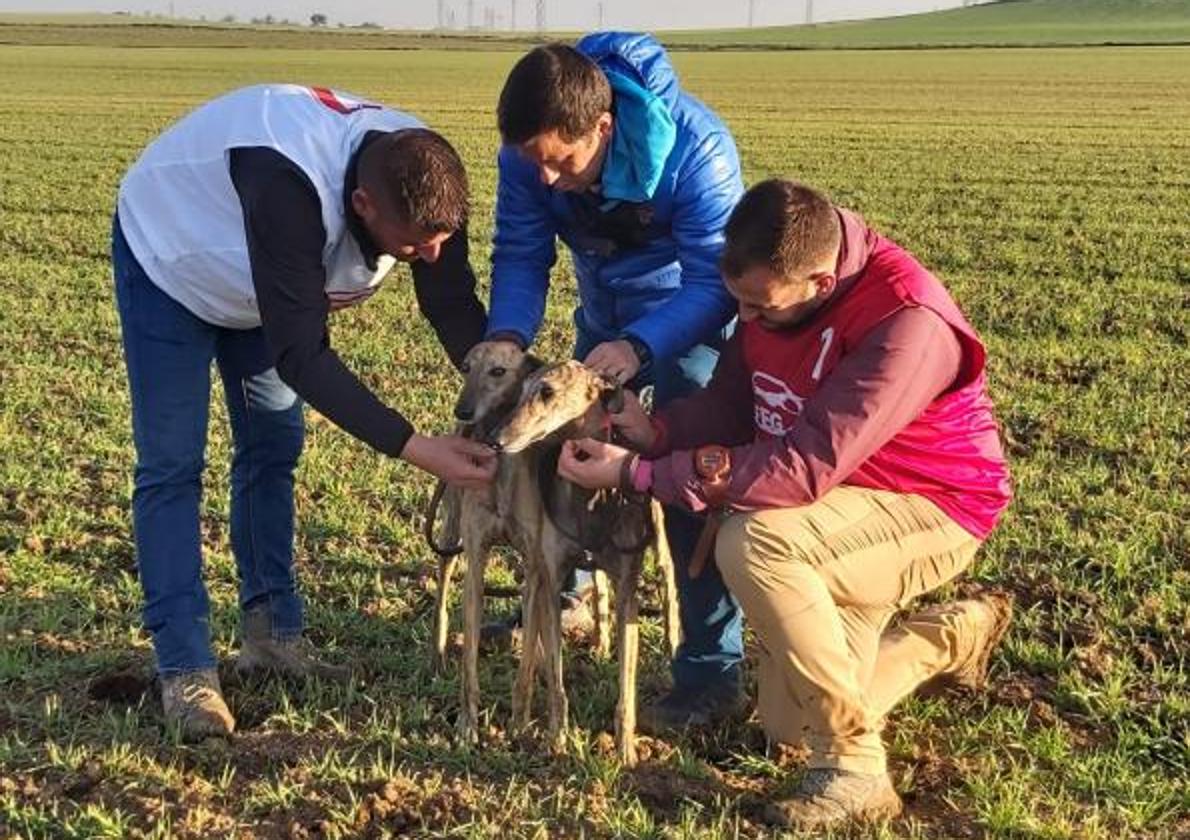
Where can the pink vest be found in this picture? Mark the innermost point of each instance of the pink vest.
(951, 453)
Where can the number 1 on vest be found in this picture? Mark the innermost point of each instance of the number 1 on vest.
(826, 338)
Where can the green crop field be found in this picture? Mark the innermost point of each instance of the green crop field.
(1049, 188)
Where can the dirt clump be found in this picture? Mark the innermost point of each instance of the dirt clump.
(126, 686)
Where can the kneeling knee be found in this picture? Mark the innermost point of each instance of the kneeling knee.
(747, 544)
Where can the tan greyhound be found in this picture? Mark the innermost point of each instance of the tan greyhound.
(551, 523)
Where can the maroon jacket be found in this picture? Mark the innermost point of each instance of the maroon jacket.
(893, 355)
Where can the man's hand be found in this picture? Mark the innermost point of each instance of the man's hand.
(456, 460)
(591, 463)
(616, 359)
(634, 425)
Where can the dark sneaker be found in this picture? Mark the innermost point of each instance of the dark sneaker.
(985, 621)
(500, 635)
(828, 799)
(193, 702)
(578, 624)
(691, 709)
(292, 657)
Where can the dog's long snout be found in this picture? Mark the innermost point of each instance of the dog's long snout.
(464, 413)
(491, 437)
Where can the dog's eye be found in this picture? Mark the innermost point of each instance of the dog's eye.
(497, 372)
(546, 393)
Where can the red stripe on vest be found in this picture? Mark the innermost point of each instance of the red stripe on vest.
(327, 97)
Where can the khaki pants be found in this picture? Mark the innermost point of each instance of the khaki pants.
(818, 585)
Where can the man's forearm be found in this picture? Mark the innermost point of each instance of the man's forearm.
(329, 387)
(694, 314)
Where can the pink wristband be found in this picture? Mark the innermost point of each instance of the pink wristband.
(642, 476)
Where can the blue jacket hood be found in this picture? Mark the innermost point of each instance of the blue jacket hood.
(636, 55)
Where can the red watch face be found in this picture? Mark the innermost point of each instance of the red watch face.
(712, 462)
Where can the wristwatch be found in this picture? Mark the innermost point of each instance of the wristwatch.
(712, 465)
(643, 354)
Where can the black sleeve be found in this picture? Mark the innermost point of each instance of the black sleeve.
(446, 296)
(283, 223)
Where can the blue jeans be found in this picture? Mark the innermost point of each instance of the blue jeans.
(168, 352)
(712, 623)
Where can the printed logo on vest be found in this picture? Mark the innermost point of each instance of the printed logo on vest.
(776, 405)
(339, 102)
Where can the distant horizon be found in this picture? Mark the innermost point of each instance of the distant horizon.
(498, 14)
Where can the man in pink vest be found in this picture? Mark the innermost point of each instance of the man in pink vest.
(847, 452)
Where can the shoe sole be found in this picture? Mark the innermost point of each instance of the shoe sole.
(888, 809)
(213, 726)
(192, 736)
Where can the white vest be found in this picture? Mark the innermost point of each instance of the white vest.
(181, 214)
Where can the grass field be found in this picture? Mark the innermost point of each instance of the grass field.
(1049, 188)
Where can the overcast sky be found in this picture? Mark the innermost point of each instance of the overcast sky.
(560, 14)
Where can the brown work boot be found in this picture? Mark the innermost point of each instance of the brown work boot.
(828, 798)
(292, 657)
(985, 621)
(193, 702)
(692, 707)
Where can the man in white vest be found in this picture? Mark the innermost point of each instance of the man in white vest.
(237, 232)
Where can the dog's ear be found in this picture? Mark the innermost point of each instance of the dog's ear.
(612, 397)
(531, 364)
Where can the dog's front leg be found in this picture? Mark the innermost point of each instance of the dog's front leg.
(472, 617)
(603, 614)
(522, 689)
(446, 568)
(665, 563)
(628, 641)
(551, 643)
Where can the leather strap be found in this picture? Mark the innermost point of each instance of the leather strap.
(712, 465)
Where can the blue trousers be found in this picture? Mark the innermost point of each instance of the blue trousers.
(712, 623)
(169, 352)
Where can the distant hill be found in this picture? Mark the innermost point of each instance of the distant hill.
(1006, 23)
(1016, 23)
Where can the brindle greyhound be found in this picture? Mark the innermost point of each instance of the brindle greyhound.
(552, 523)
(493, 374)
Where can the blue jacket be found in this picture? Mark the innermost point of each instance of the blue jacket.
(647, 268)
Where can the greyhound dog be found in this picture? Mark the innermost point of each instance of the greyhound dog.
(493, 374)
(552, 524)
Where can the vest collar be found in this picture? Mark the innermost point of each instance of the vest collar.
(355, 225)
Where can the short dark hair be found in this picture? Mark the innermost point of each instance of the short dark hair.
(783, 225)
(418, 176)
(552, 88)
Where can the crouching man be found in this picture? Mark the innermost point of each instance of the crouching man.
(847, 451)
